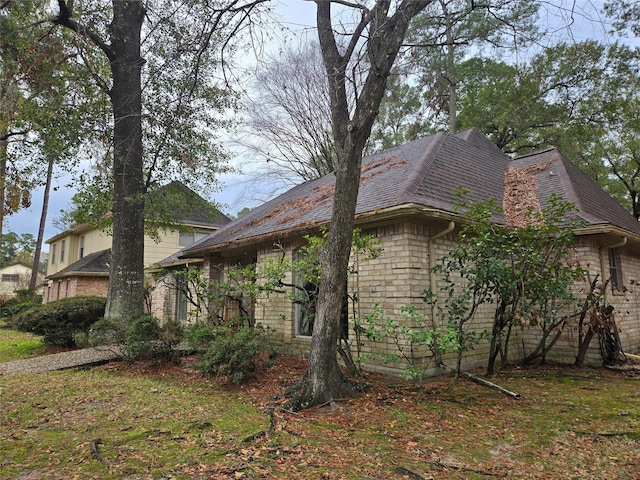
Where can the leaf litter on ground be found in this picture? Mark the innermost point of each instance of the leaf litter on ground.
(170, 422)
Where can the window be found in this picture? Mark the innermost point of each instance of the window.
(304, 298)
(53, 253)
(305, 295)
(181, 298)
(615, 272)
(187, 238)
(10, 277)
(62, 245)
(81, 252)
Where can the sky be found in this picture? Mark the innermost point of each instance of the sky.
(298, 17)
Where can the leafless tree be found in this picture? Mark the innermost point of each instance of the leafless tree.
(288, 118)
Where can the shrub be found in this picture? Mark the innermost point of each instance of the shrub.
(28, 295)
(12, 307)
(141, 338)
(199, 335)
(232, 353)
(58, 321)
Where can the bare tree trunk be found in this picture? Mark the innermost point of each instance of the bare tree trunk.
(4, 145)
(323, 382)
(43, 220)
(125, 297)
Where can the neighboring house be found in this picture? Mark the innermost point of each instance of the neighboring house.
(17, 276)
(406, 201)
(79, 258)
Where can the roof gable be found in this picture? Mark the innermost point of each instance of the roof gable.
(186, 205)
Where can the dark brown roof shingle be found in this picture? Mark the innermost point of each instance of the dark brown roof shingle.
(425, 172)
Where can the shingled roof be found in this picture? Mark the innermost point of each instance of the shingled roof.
(423, 174)
(595, 207)
(186, 205)
(94, 264)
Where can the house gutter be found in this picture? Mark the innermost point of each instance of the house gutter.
(432, 275)
(603, 260)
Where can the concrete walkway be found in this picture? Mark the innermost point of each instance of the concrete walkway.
(61, 361)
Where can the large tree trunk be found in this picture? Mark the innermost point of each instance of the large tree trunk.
(126, 276)
(323, 381)
(125, 297)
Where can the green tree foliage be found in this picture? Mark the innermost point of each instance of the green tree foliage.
(423, 90)
(581, 98)
(401, 118)
(17, 247)
(418, 344)
(625, 15)
(143, 59)
(44, 102)
(526, 272)
(183, 103)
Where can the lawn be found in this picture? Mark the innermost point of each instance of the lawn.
(139, 421)
(16, 345)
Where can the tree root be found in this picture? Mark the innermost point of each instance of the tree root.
(302, 395)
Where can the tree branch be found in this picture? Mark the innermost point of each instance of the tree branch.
(64, 20)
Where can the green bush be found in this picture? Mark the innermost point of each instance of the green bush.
(107, 331)
(199, 335)
(232, 353)
(59, 321)
(28, 295)
(13, 306)
(141, 338)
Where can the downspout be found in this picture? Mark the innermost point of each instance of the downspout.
(604, 264)
(432, 275)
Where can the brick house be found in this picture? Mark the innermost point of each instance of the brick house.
(79, 258)
(406, 201)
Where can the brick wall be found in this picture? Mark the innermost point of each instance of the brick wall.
(398, 278)
(75, 287)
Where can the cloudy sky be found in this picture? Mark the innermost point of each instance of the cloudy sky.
(298, 18)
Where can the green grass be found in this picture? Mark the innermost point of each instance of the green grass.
(146, 426)
(157, 423)
(16, 345)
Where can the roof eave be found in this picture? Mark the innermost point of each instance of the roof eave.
(55, 276)
(377, 215)
(175, 263)
(607, 229)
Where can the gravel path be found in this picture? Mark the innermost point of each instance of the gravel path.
(61, 361)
